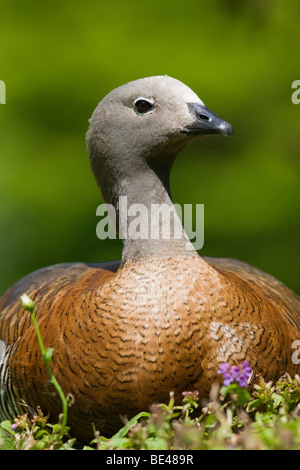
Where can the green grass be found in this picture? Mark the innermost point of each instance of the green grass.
(260, 416)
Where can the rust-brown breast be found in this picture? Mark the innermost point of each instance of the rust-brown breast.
(124, 338)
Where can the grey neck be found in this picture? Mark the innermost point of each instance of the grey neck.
(150, 225)
(148, 222)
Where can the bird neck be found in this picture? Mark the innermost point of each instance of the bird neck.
(148, 222)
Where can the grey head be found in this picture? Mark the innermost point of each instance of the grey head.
(135, 134)
(146, 123)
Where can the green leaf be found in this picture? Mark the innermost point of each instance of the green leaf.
(243, 396)
(7, 443)
(254, 404)
(210, 421)
(117, 443)
(278, 399)
(7, 440)
(156, 443)
(6, 426)
(123, 431)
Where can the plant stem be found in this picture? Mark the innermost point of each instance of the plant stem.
(47, 356)
(51, 375)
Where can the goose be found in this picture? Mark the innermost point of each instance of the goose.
(126, 333)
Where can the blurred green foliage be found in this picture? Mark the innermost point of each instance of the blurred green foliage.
(58, 59)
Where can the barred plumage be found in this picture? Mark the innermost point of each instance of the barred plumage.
(10, 408)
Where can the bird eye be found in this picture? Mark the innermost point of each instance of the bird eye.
(143, 106)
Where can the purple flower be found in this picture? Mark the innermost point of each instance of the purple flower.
(240, 374)
(224, 368)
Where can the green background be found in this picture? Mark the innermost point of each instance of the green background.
(58, 59)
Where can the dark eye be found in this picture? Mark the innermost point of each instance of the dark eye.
(202, 117)
(142, 106)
